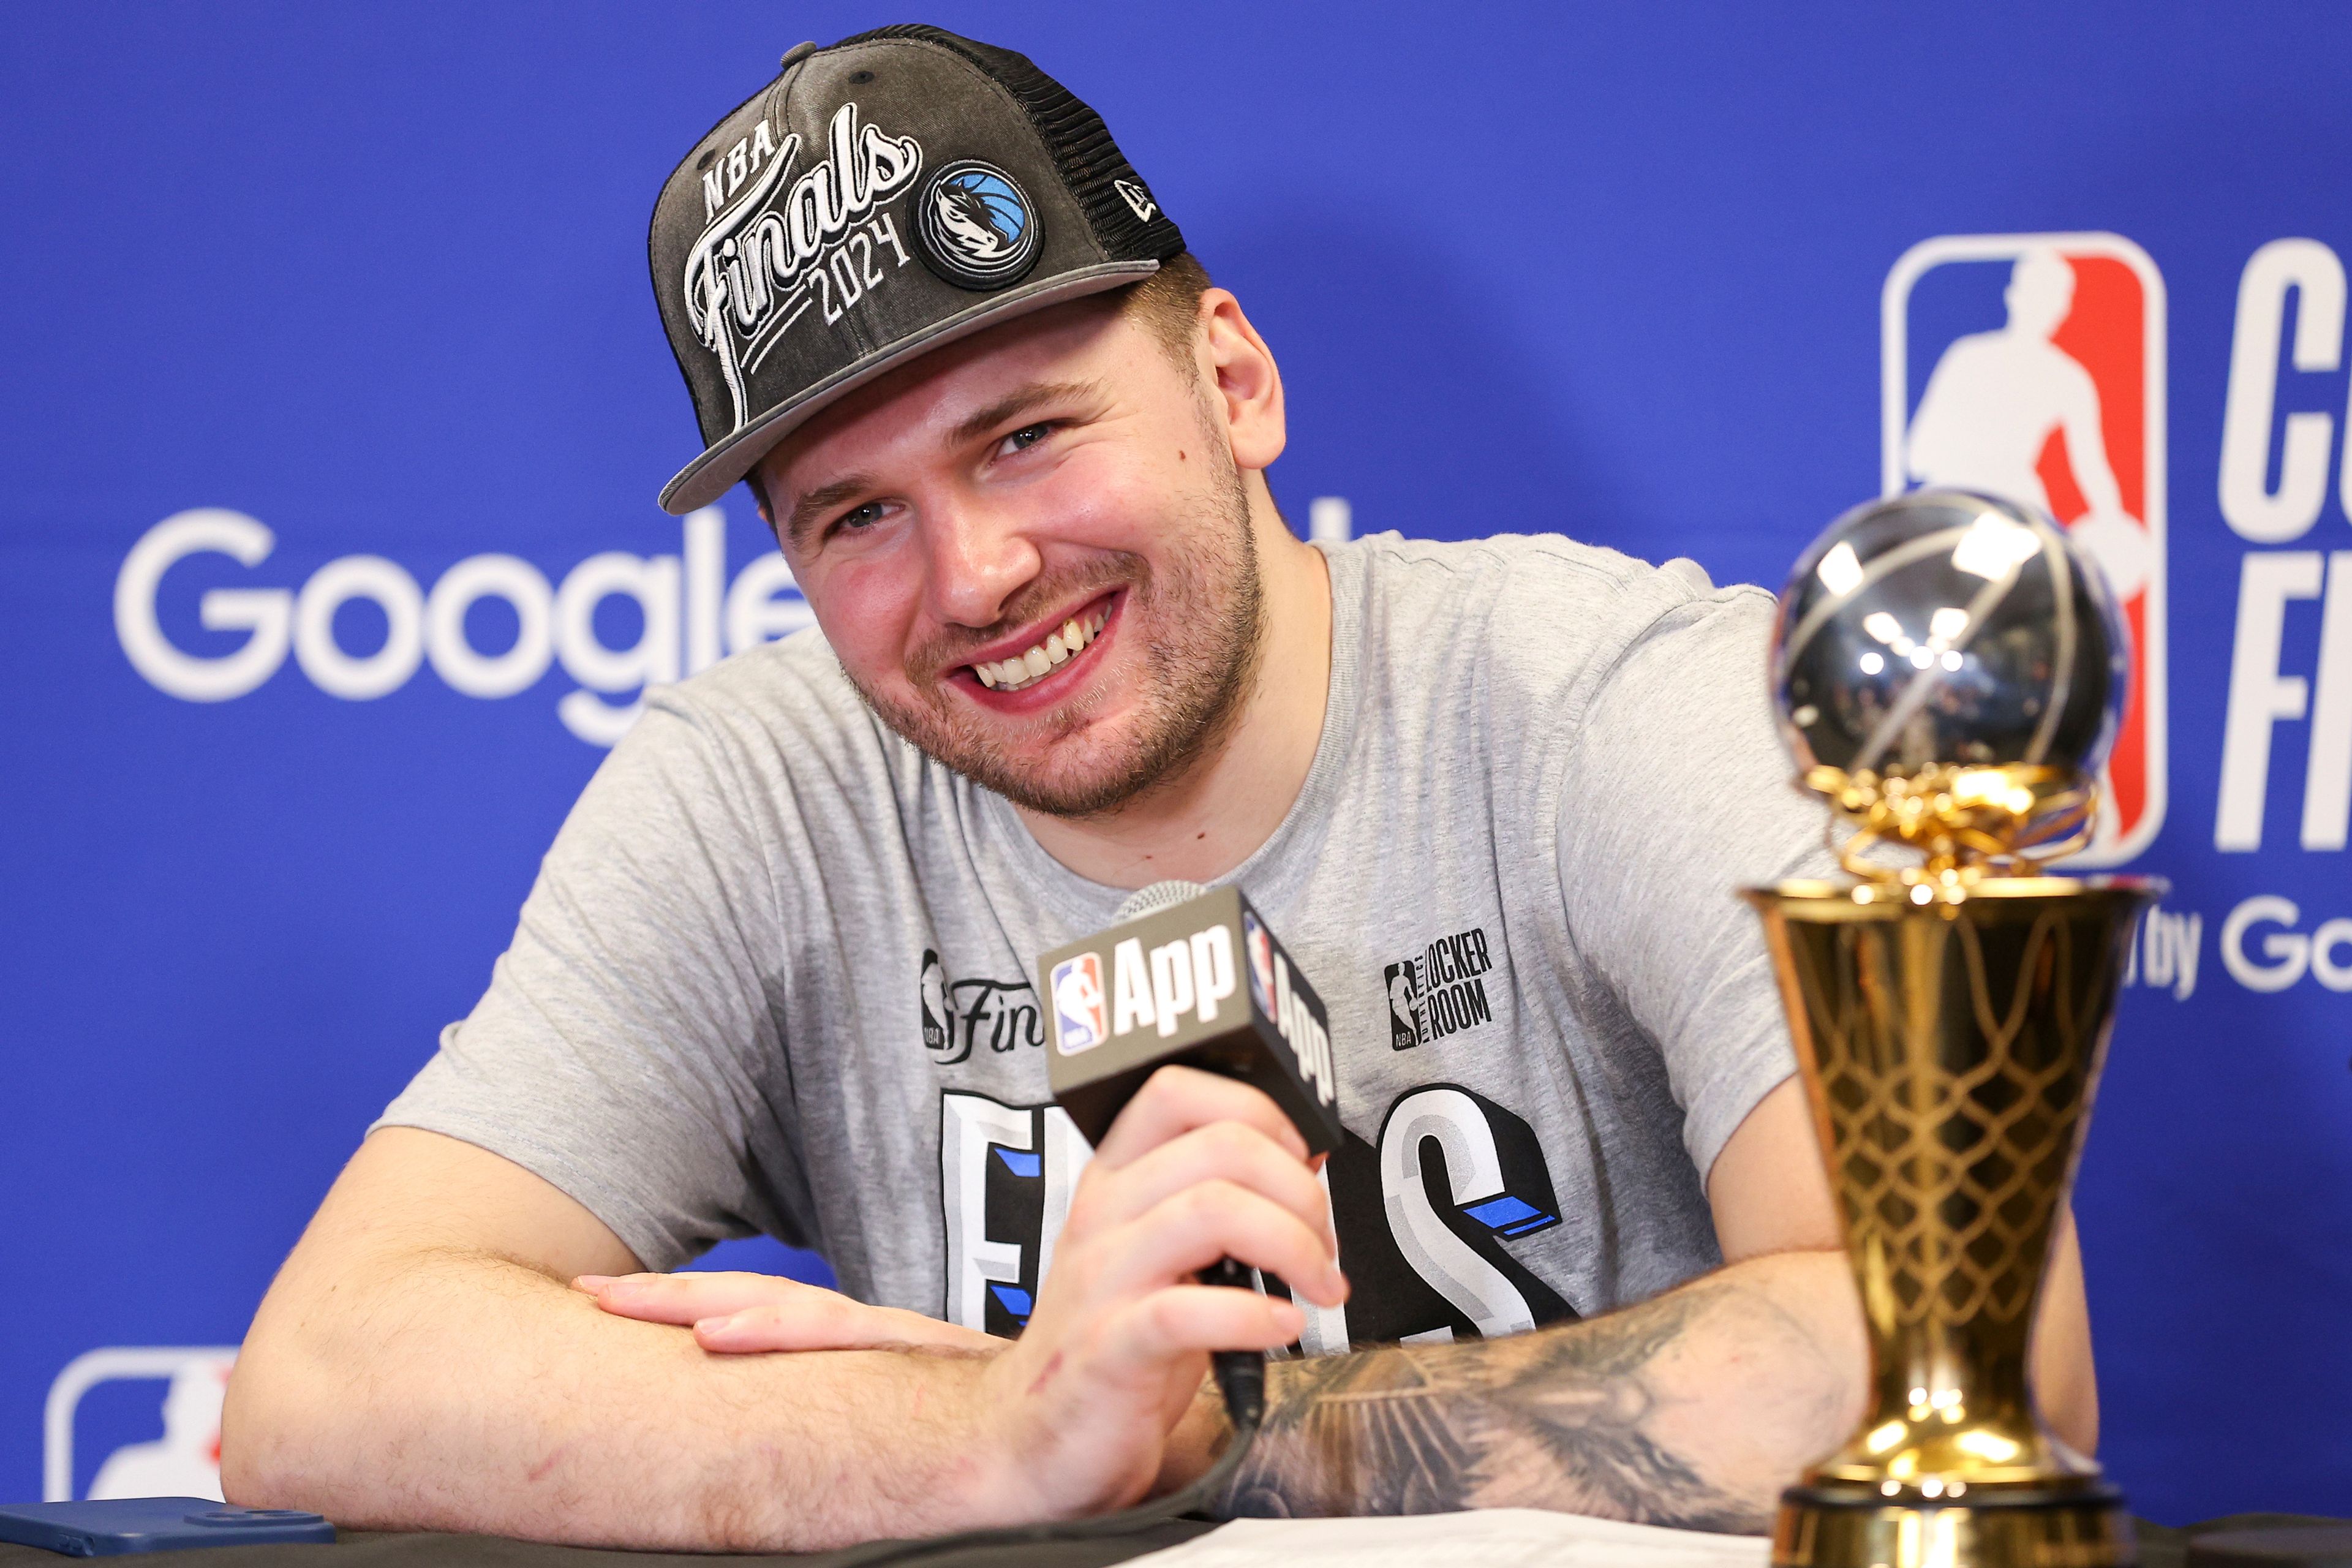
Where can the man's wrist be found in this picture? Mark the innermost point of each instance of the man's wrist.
(1200, 1435)
(998, 1484)
(953, 1469)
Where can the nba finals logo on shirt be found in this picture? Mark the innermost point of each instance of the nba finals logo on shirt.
(1078, 1023)
(2032, 366)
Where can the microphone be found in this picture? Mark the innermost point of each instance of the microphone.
(1163, 985)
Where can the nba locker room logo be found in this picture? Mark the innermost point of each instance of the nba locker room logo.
(2032, 366)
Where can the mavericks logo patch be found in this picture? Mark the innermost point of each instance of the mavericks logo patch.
(978, 229)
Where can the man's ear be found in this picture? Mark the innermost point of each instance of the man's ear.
(1247, 383)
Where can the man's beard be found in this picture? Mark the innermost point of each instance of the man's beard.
(1204, 610)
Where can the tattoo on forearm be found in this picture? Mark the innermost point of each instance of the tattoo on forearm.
(1563, 1419)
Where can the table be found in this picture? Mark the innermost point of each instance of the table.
(380, 1549)
(2161, 1546)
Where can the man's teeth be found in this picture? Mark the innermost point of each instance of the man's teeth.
(1022, 668)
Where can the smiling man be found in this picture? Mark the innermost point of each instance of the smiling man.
(1576, 1251)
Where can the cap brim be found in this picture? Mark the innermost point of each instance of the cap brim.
(707, 477)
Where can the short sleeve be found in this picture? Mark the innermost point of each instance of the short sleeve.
(1679, 793)
(629, 1049)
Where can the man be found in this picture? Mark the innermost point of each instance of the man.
(1070, 648)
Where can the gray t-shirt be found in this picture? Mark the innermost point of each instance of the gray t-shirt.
(776, 974)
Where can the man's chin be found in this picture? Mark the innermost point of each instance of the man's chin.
(1077, 776)
(1068, 764)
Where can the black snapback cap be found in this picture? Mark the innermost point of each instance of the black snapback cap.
(881, 197)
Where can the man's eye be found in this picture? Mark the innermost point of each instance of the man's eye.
(859, 517)
(1028, 435)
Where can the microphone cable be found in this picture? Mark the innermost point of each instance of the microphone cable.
(1240, 1378)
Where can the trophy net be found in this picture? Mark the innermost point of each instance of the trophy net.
(1950, 1052)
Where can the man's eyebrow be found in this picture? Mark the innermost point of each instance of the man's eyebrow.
(809, 507)
(1019, 401)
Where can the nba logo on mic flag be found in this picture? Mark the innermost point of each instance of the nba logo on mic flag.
(1259, 950)
(2032, 366)
(1080, 1024)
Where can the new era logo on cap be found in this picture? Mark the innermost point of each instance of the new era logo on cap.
(880, 198)
(1138, 200)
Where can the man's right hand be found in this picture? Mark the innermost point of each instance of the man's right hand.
(1197, 1168)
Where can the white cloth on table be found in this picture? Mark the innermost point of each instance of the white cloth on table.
(1487, 1538)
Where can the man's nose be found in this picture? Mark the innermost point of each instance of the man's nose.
(979, 558)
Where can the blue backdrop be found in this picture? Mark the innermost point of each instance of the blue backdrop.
(371, 285)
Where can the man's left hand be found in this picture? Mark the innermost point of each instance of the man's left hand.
(742, 1313)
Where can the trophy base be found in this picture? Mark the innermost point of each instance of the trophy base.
(1828, 1525)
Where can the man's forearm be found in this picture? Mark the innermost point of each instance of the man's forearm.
(459, 1391)
(1692, 1409)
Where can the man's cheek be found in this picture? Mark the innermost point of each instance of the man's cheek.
(863, 614)
(1132, 518)
(1097, 500)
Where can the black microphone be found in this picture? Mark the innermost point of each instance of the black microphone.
(1193, 976)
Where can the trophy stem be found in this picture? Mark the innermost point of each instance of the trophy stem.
(1950, 1040)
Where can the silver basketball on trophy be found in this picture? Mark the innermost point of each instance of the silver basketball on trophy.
(1943, 626)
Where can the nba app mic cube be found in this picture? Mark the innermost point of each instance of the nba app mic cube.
(1202, 984)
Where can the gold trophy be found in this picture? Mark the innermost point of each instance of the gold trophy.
(1950, 668)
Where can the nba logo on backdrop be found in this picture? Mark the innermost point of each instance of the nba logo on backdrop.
(2032, 366)
(1078, 1021)
(182, 1384)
